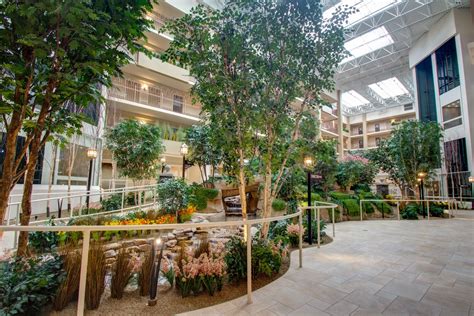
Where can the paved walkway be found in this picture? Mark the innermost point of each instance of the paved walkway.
(374, 268)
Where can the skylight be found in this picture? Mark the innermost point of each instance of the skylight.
(366, 9)
(389, 88)
(352, 99)
(368, 42)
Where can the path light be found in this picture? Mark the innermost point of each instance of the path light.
(184, 151)
(421, 177)
(163, 163)
(308, 163)
(155, 272)
(91, 154)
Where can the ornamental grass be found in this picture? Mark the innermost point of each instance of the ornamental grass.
(96, 270)
(69, 288)
(144, 276)
(122, 271)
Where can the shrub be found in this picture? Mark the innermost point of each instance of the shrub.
(351, 206)
(293, 232)
(199, 195)
(314, 227)
(277, 228)
(278, 205)
(173, 195)
(41, 242)
(436, 210)
(26, 285)
(95, 282)
(383, 207)
(69, 287)
(361, 187)
(411, 211)
(121, 273)
(265, 259)
(236, 259)
(340, 196)
(367, 207)
(112, 203)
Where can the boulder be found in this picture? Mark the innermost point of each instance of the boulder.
(171, 243)
(113, 246)
(110, 253)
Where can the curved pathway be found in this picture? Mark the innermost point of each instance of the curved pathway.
(374, 268)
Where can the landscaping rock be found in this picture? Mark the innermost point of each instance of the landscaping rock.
(110, 253)
(113, 246)
(171, 236)
(132, 249)
(171, 243)
(145, 248)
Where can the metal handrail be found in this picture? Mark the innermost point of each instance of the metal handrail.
(86, 231)
(449, 201)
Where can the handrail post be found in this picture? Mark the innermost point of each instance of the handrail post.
(300, 243)
(428, 208)
(249, 262)
(449, 209)
(318, 229)
(333, 223)
(83, 275)
(15, 238)
(456, 207)
(123, 198)
(139, 200)
(398, 210)
(360, 208)
(80, 207)
(154, 197)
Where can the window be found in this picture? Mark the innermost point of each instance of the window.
(361, 143)
(352, 99)
(425, 88)
(408, 107)
(389, 88)
(178, 103)
(455, 154)
(154, 96)
(452, 114)
(447, 64)
(76, 156)
(377, 127)
(360, 131)
(19, 146)
(377, 141)
(368, 43)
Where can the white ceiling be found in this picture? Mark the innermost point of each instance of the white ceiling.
(405, 21)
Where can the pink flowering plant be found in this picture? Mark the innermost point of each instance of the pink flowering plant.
(293, 231)
(167, 270)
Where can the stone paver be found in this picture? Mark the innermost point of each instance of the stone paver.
(374, 268)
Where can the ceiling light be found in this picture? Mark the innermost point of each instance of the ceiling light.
(368, 42)
(352, 99)
(366, 9)
(389, 88)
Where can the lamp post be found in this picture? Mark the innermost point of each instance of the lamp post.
(184, 151)
(155, 270)
(163, 163)
(308, 163)
(471, 181)
(421, 177)
(91, 154)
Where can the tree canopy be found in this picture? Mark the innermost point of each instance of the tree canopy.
(136, 148)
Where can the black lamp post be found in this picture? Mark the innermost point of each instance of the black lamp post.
(91, 154)
(163, 164)
(421, 177)
(184, 151)
(308, 163)
(155, 271)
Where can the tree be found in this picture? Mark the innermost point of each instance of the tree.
(203, 150)
(325, 165)
(252, 60)
(413, 147)
(53, 52)
(136, 148)
(354, 170)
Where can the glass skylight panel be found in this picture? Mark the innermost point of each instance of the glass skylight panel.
(366, 9)
(352, 99)
(368, 42)
(389, 88)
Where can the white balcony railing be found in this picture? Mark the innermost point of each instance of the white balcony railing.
(152, 95)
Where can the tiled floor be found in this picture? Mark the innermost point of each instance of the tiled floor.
(374, 268)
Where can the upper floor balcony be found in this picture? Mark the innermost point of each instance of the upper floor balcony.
(153, 99)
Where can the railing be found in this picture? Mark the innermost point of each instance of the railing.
(451, 205)
(151, 95)
(87, 230)
(381, 129)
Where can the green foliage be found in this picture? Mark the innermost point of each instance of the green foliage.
(413, 147)
(265, 261)
(278, 228)
(26, 285)
(314, 227)
(112, 203)
(326, 165)
(236, 259)
(56, 56)
(42, 242)
(136, 148)
(199, 195)
(410, 211)
(351, 206)
(436, 210)
(278, 205)
(355, 170)
(203, 148)
(340, 196)
(173, 195)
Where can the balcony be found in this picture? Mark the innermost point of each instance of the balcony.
(381, 129)
(329, 128)
(167, 69)
(171, 104)
(159, 21)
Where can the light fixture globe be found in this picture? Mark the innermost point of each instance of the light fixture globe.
(91, 153)
(162, 160)
(421, 174)
(471, 179)
(184, 149)
(308, 162)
